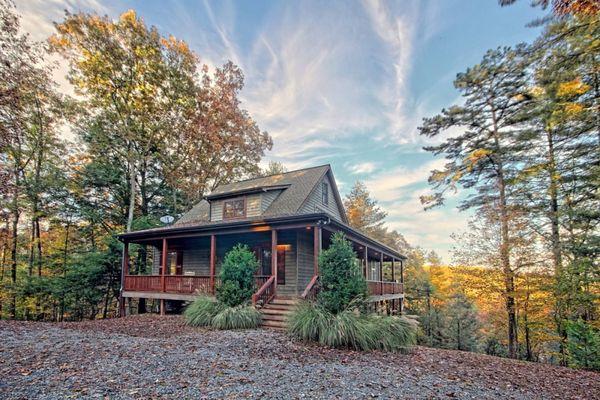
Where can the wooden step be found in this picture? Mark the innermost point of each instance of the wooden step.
(279, 301)
(280, 325)
(276, 311)
(274, 317)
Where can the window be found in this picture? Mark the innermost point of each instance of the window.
(325, 193)
(234, 209)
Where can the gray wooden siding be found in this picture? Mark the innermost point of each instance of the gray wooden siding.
(314, 203)
(253, 207)
(196, 255)
(305, 258)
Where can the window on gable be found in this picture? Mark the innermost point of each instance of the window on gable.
(325, 193)
(234, 209)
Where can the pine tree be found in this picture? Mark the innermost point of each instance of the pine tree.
(482, 158)
(341, 278)
(461, 325)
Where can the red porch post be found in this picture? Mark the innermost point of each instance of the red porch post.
(402, 273)
(124, 273)
(162, 275)
(366, 266)
(317, 248)
(213, 250)
(274, 258)
(381, 270)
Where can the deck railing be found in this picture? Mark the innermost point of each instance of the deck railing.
(182, 284)
(378, 288)
(265, 293)
(311, 290)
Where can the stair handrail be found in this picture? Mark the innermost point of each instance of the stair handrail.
(310, 288)
(260, 293)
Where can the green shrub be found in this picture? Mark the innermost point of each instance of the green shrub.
(583, 345)
(202, 311)
(239, 317)
(237, 276)
(341, 277)
(351, 329)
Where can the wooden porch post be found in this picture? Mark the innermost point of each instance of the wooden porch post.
(366, 266)
(393, 270)
(213, 251)
(402, 271)
(163, 282)
(381, 270)
(274, 258)
(317, 248)
(124, 273)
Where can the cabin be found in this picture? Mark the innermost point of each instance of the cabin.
(286, 219)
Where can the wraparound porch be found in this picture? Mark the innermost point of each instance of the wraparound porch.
(184, 265)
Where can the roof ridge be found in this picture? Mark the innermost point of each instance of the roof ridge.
(281, 173)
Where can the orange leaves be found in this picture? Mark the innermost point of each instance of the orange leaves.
(570, 89)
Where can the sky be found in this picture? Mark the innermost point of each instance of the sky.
(345, 83)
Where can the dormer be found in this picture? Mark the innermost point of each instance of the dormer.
(234, 205)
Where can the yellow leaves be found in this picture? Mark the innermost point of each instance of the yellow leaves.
(129, 17)
(59, 42)
(573, 109)
(438, 176)
(475, 157)
(537, 91)
(572, 89)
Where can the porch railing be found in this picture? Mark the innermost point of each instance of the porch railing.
(311, 290)
(181, 284)
(265, 293)
(378, 288)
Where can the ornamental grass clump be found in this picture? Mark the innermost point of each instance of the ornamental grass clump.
(231, 310)
(202, 311)
(338, 318)
(351, 329)
(238, 317)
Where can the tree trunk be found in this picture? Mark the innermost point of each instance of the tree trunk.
(555, 244)
(39, 246)
(4, 251)
(132, 173)
(13, 256)
(509, 280)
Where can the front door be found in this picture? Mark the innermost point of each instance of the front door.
(281, 267)
(264, 258)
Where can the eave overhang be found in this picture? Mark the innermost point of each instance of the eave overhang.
(257, 225)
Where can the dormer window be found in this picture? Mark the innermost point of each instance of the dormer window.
(325, 193)
(235, 208)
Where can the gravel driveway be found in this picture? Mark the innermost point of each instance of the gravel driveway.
(159, 357)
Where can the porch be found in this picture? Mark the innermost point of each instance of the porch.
(287, 255)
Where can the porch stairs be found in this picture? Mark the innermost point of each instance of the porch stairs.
(274, 314)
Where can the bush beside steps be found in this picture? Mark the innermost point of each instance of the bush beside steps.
(206, 312)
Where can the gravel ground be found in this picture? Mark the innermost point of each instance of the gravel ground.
(159, 357)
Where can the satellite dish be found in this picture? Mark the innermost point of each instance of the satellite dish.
(167, 219)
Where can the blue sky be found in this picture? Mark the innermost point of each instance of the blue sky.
(339, 82)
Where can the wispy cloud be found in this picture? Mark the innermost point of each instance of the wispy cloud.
(394, 183)
(38, 15)
(362, 168)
